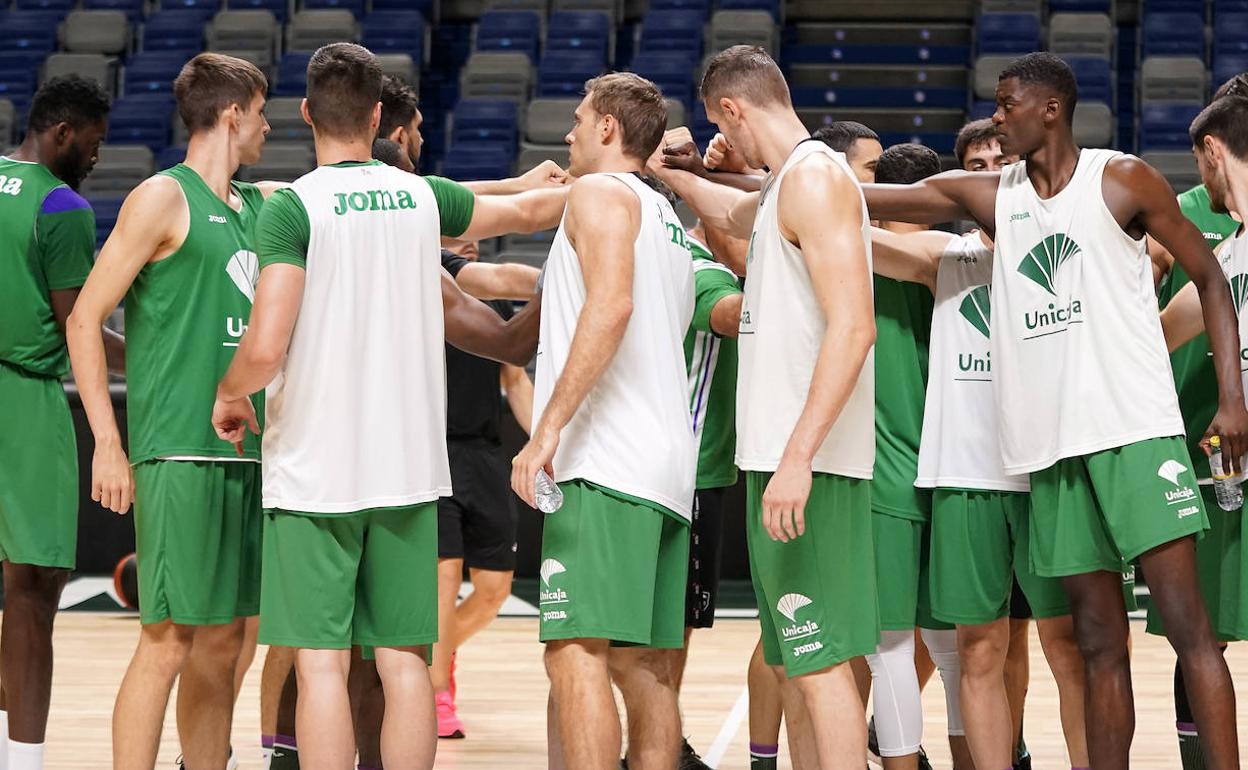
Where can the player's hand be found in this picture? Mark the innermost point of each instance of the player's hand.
(685, 157)
(545, 174)
(721, 156)
(1231, 425)
(536, 455)
(112, 480)
(784, 501)
(232, 419)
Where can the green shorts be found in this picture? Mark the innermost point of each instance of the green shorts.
(1100, 511)
(197, 538)
(1232, 621)
(1218, 585)
(817, 600)
(979, 546)
(368, 578)
(38, 471)
(613, 567)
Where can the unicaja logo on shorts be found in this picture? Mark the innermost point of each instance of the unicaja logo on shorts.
(550, 568)
(788, 606)
(1182, 493)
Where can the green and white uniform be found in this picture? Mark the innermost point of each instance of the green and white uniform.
(1084, 390)
(816, 594)
(980, 513)
(350, 504)
(196, 502)
(47, 238)
(1197, 384)
(614, 557)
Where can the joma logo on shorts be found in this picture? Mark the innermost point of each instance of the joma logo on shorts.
(373, 200)
(555, 615)
(803, 649)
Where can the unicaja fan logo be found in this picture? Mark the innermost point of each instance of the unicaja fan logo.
(546, 595)
(788, 606)
(1182, 494)
(244, 270)
(976, 308)
(1239, 290)
(1041, 263)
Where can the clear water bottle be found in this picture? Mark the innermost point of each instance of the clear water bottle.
(1230, 495)
(549, 495)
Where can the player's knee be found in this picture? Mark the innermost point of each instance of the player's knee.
(167, 646)
(494, 589)
(39, 587)
(981, 655)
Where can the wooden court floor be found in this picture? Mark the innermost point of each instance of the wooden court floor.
(503, 693)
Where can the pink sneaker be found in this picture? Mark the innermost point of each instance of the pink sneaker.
(449, 725)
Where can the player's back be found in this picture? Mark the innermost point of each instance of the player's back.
(43, 228)
(356, 417)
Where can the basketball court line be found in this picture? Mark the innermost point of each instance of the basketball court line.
(728, 730)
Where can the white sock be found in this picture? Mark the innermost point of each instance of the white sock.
(4, 740)
(25, 756)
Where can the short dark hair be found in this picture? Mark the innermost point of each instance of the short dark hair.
(636, 104)
(387, 151)
(1236, 86)
(1226, 119)
(344, 85)
(399, 103)
(906, 164)
(1046, 69)
(745, 71)
(974, 134)
(212, 82)
(69, 99)
(842, 134)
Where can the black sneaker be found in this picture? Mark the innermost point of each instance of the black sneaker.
(1023, 763)
(230, 764)
(873, 741)
(689, 759)
(924, 764)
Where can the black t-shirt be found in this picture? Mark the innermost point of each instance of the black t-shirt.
(474, 407)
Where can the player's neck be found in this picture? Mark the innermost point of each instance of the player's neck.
(212, 155)
(1236, 187)
(619, 164)
(332, 150)
(1051, 166)
(29, 151)
(781, 131)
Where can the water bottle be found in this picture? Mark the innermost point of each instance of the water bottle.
(1230, 495)
(550, 496)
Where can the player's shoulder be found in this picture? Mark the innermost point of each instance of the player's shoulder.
(602, 190)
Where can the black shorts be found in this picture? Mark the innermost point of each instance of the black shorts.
(478, 522)
(1020, 609)
(706, 538)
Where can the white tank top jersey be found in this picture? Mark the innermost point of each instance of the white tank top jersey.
(960, 448)
(1080, 363)
(1234, 260)
(782, 329)
(357, 417)
(633, 433)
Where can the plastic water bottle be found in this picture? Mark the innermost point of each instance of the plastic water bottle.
(549, 495)
(1230, 495)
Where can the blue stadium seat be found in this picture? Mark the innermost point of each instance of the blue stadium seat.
(17, 85)
(292, 75)
(33, 31)
(701, 6)
(673, 31)
(1228, 6)
(510, 31)
(470, 163)
(1230, 33)
(354, 6)
(279, 8)
(703, 129)
(132, 8)
(588, 31)
(563, 73)
(176, 30)
(183, 5)
(1164, 126)
(395, 32)
(771, 6)
(1173, 34)
(59, 8)
(152, 72)
(1079, 6)
(141, 119)
(671, 72)
(1008, 33)
(485, 120)
(424, 6)
(981, 109)
(1227, 66)
(1096, 81)
(170, 156)
(22, 59)
(1173, 6)
(106, 211)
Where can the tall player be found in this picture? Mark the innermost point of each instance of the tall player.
(47, 232)
(182, 256)
(1061, 343)
(350, 528)
(805, 392)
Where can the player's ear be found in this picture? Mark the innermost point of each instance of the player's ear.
(303, 112)
(375, 120)
(608, 126)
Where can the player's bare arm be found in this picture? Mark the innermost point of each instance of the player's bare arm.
(519, 389)
(475, 328)
(545, 174)
(526, 212)
(488, 280)
(820, 213)
(1162, 260)
(603, 220)
(728, 250)
(279, 295)
(941, 198)
(62, 301)
(678, 151)
(717, 205)
(726, 316)
(913, 257)
(1182, 320)
(151, 225)
(1142, 201)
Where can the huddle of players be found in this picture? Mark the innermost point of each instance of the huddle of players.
(1085, 405)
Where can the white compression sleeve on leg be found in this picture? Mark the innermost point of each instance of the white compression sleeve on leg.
(25, 756)
(898, 709)
(4, 740)
(943, 647)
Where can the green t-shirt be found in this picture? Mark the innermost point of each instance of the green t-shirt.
(47, 242)
(712, 362)
(284, 230)
(1194, 376)
(903, 323)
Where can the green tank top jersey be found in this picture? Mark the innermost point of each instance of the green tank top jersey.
(47, 240)
(712, 363)
(1194, 376)
(185, 316)
(903, 324)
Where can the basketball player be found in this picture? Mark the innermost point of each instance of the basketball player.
(1221, 156)
(181, 254)
(805, 392)
(1087, 520)
(350, 527)
(47, 240)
